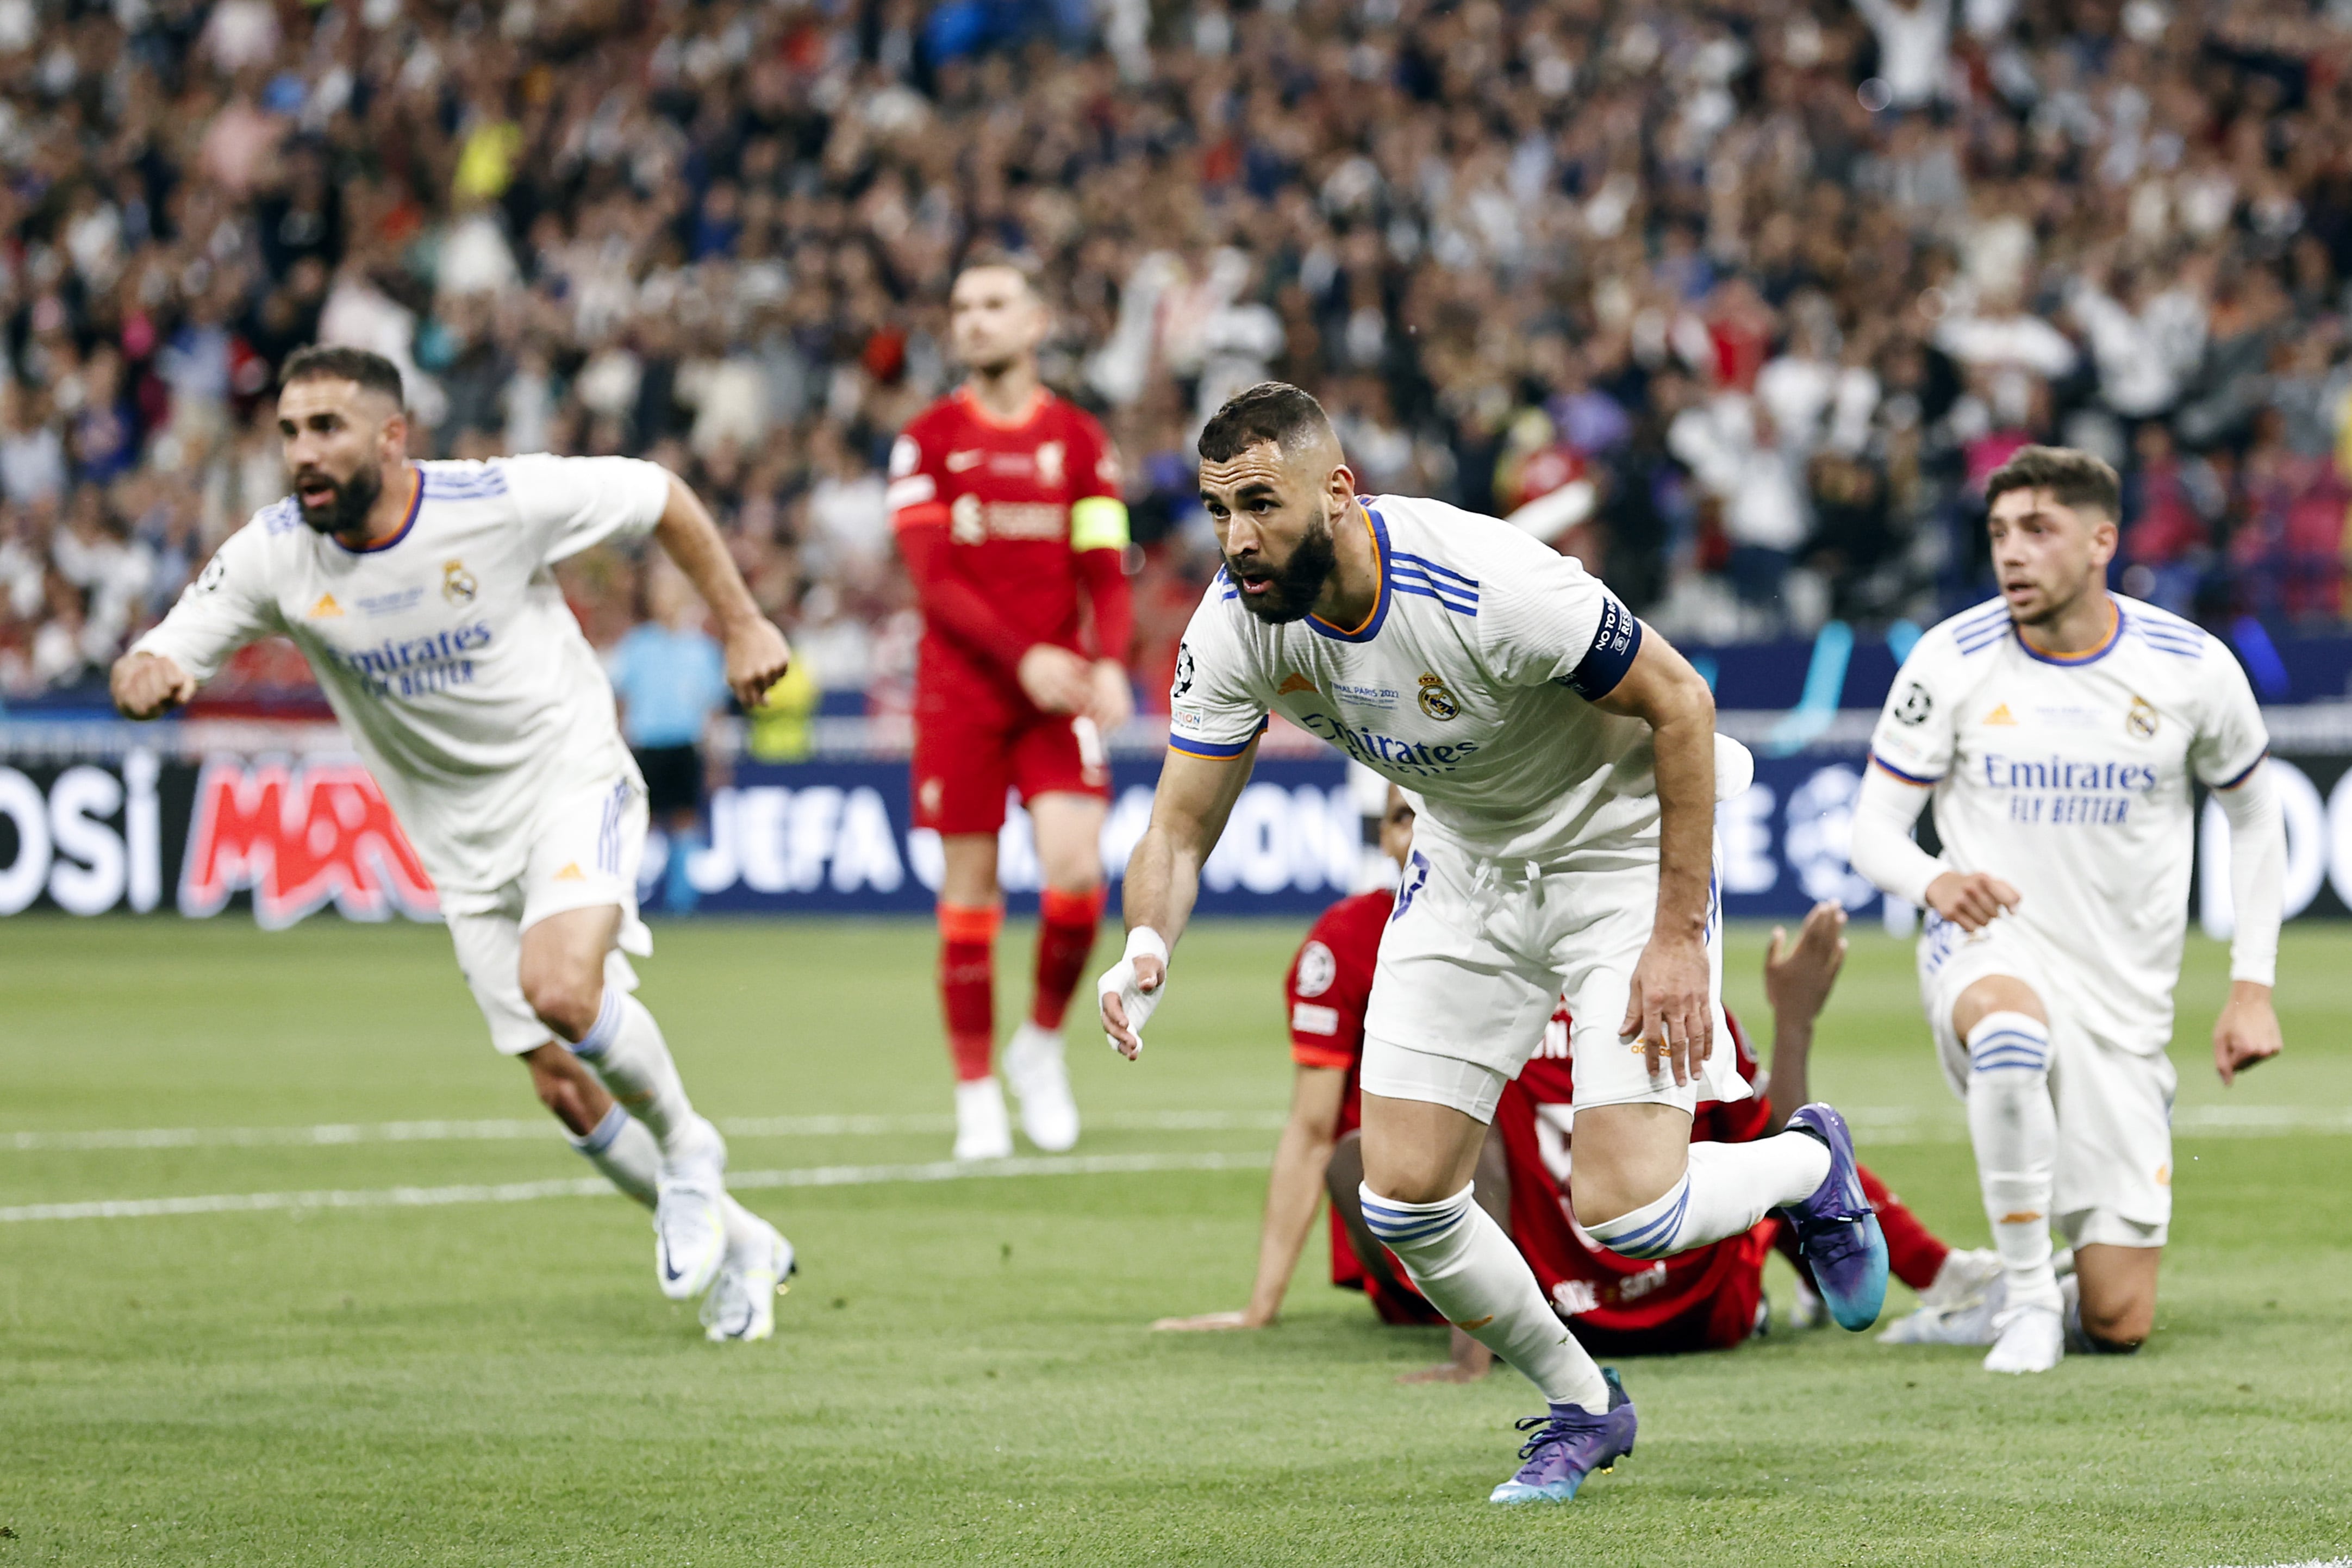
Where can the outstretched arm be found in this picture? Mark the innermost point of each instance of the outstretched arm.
(1671, 1009)
(1797, 984)
(757, 654)
(2247, 1032)
(1292, 1193)
(1163, 878)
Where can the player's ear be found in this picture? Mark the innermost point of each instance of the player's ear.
(1338, 492)
(2104, 537)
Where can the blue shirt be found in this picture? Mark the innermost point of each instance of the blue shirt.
(669, 683)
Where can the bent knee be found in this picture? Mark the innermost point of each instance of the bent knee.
(564, 1001)
(1602, 1202)
(2119, 1330)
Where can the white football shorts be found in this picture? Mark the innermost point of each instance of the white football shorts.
(1478, 953)
(585, 845)
(2113, 1181)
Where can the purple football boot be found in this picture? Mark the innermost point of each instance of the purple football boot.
(1836, 1229)
(1568, 1445)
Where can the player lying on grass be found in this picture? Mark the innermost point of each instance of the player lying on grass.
(1706, 1299)
(421, 595)
(1562, 760)
(1006, 500)
(2059, 729)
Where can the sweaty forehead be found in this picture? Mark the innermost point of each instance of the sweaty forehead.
(1259, 465)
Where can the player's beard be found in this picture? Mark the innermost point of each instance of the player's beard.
(347, 513)
(1300, 581)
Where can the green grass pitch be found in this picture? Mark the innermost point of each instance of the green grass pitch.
(963, 1373)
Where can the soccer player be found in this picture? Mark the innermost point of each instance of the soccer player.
(1562, 760)
(421, 594)
(1006, 502)
(2059, 729)
(1706, 1299)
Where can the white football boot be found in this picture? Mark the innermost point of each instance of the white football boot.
(2027, 1339)
(1034, 1066)
(689, 1223)
(759, 1267)
(1964, 1277)
(982, 1129)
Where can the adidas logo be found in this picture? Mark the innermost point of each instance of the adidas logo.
(2000, 714)
(570, 872)
(325, 607)
(1293, 682)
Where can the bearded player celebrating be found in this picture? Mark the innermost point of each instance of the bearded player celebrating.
(1562, 761)
(421, 595)
(1006, 502)
(2058, 730)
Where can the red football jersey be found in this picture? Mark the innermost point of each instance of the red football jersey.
(1009, 496)
(1327, 991)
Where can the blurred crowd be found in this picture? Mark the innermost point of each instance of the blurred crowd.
(1739, 300)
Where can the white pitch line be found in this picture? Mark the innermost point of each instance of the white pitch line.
(592, 1187)
(542, 1129)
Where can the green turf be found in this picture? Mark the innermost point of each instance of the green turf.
(964, 1373)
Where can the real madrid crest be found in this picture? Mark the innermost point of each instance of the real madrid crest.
(1435, 700)
(457, 584)
(2140, 722)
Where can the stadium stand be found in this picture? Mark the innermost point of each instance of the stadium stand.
(1741, 300)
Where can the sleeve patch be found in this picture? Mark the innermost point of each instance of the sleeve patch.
(1615, 642)
(1306, 1018)
(1914, 707)
(1316, 969)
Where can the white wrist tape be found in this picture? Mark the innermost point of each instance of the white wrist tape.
(1141, 943)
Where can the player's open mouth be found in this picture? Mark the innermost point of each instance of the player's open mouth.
(315, 493)
(1254, 586)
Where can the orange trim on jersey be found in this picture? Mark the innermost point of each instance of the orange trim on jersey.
(923, 513)
(973, 405)
(1380, 588)
(2079, 655)
(1322, 1056)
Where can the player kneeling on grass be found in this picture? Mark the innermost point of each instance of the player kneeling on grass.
(2059, 729)
(1706, 1299)
(1564, 762)
(421, 595)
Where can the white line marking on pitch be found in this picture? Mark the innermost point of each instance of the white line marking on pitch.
(592, 1186)
(544, 1130)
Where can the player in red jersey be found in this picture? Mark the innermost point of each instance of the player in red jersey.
(1705, 1299)
(1006, 503)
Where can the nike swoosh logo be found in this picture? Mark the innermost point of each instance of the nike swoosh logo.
(960, 461)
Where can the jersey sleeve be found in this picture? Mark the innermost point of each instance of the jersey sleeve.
(1545, 618)
(568, 504)
(229, 604)
(1215, 705)
(917, 493)
(2230, 737)
(1916, 729)
(1326, 999)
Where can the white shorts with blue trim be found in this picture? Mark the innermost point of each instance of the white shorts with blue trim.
(2113, 1099)
(586, 846)
(1478, 953)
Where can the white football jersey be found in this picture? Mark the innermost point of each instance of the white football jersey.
(447, 650)
(1468, 684)
(2070, 779)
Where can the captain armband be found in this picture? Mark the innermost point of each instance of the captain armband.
(1098, 522)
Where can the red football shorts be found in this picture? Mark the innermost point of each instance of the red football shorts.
(965, 762)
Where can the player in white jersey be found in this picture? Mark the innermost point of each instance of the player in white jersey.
(2059, 730)
(422, 595)
(1563, 764)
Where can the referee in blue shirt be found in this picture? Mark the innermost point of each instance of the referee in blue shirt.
(671, 680)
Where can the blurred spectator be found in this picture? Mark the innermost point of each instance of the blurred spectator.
(1746, 299)
(670, 680)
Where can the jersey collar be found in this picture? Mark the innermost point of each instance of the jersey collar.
(2085, 656)
(415, 504)
(1370, 627)
(979, 411)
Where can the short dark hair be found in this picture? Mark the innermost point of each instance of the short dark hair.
(334, 361)
(2073, 479)
(1270, 411)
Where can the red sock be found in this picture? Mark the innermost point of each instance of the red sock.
(1066, 934)
(1912, 1250)
(968, 984)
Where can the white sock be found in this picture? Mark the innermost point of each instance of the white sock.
(624, 1152)
(627, 1052)
(1727, 1188)
(2015, 1129)
(1462, 1261)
